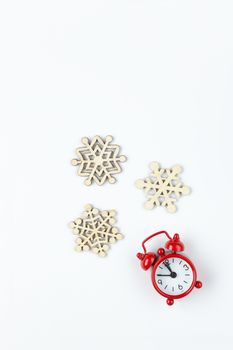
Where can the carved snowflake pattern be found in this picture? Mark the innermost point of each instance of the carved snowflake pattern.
(95, 230)
(98, 160)
(163, 187)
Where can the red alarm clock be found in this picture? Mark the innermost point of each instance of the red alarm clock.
(173, 275)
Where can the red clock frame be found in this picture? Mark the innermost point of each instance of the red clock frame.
(151, 259)
(158, 262)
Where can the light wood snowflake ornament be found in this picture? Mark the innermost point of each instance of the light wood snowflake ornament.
(95, 230)
(98, 160)
(163, 187)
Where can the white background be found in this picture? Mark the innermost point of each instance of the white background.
(157, 75)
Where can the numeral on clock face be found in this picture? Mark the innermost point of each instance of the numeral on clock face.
(166, 262)
(174, 276)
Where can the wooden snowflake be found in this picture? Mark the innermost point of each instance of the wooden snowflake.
(95, 230)
(98, 160)
(163, 187)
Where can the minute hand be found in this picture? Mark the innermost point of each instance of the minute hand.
(164, 275)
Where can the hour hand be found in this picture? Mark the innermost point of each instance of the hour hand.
(168, 267)
(163, 275)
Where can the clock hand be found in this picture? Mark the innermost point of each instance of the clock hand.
(172, 275)
(168, 267)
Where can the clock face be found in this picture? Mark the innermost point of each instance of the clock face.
(174, 276)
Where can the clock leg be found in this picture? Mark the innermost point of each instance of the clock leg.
(198, 284)
(170, 302)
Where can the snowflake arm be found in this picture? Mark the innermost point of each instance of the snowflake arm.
(98, 160)
(95, 230)
(163, 187)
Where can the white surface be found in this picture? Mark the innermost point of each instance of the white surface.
(157, 75)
